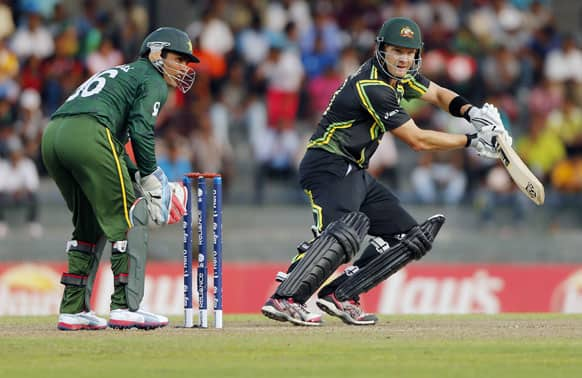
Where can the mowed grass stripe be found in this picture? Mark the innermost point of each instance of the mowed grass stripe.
(531, 345)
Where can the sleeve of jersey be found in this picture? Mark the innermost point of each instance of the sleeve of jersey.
(379, 99)
(415, 86)
(142, 119)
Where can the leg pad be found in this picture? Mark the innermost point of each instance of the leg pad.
(386, 264)
(336, 245)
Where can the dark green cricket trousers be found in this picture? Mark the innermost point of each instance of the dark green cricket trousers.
(87, 164)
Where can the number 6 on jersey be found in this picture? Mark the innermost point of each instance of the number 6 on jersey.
(526, 181)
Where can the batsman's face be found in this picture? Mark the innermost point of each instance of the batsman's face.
(398, 59)
(177, 72)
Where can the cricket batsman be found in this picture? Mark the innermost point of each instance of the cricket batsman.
(83, 150)
(347, 202)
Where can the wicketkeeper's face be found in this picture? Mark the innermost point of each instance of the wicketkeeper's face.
(398, 59)
(177, 72)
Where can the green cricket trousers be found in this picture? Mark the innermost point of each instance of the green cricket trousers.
(87, 164)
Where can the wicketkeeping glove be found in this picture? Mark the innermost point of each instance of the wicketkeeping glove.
(178, 203)
(158, 195)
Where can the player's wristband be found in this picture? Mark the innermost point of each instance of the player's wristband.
(456, 104)
(470, 138)
(466, 114)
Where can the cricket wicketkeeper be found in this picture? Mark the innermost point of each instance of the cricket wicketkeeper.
(83, 150)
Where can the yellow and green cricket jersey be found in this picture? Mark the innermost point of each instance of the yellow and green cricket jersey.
(362, 110)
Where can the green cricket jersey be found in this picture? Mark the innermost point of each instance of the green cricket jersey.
(129, 100)
(362, 110)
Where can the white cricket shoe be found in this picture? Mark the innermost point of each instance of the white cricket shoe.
(124, 319)
(287, 310)
(81, 321)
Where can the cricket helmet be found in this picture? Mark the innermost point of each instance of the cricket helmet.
(401, 32)
(158, 43)
(170, 39)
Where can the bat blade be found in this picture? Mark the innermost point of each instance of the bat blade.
(523, 177)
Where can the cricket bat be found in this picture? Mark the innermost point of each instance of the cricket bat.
(525, 180)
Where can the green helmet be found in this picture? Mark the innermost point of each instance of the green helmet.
(400, 31)
(170, 39)
(176, 41)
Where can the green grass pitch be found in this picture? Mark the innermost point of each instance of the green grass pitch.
(252, 346)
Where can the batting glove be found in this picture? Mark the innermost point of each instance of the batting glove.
(488, 115)
(484, 141)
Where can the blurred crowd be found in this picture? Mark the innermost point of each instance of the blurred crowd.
(267, 71)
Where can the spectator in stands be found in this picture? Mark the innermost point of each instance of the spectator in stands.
(32, 38)
(501, 70)
(209, 152)
(439, 178)
(30, 124)
(498, 193)
(281, 13)
(361, 38)
(564, 64)
(59, 20)
(397, 8)
(129, 39)
(134, 13)
(238, 111)
(212, 68)
(7, 120)
(541, 149)
(321, 87)
(566, 196)
(252, 42)
(106, 56)
(324, 36)
(215, 34)
(566, 176)
(18, 188)
(566, 122)
(173, 159)
(31, 75)
(490, 21)
(540, 43)
(62, 72)
(384, 162)
(537, 16)
(444, 12)
(544, 98)
(214, 40)
(6, 20)
(278, 146)
(8, 63)
(85, 25)
(317, 60)
(349, 61)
